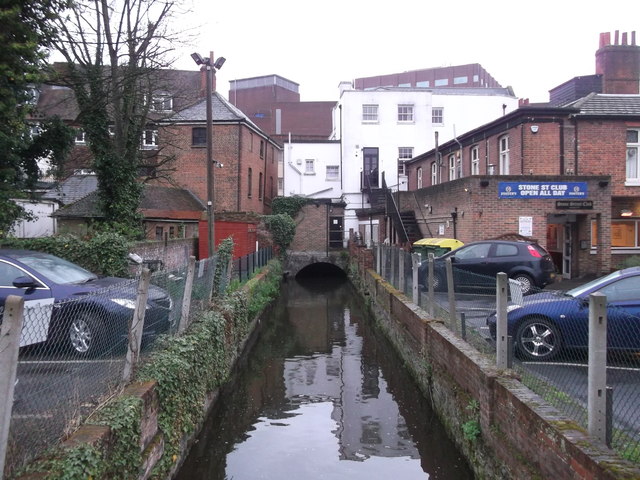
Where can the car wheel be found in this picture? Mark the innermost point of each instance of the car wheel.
(525, 281)
(85, 335)
(538, 339)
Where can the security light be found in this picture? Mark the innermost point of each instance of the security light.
(197, 58)
(219, 62)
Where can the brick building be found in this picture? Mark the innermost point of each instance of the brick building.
(567, 176)
(273, 103)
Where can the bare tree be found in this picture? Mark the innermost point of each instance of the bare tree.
(113, 49)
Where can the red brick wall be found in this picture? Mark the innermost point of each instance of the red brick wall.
(244, 236)
(311, 229)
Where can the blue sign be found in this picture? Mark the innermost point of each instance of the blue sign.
(551, 190)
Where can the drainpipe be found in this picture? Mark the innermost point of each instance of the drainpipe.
(454, 218)
(455, 138)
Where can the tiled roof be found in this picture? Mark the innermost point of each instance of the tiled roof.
(165, 199)
(221, 110)
(600, 104)
(73, 189)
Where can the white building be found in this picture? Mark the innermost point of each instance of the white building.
(381, 128)
(374, 132)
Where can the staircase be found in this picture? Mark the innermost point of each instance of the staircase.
(410, 224)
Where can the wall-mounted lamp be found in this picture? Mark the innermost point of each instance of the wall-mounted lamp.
(468, 190)
(626, 213)
(603, 183)
(534, 129)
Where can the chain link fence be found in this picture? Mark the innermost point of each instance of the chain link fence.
(550, 359)
(73, 353)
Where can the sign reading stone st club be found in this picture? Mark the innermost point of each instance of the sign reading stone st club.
(550, 190)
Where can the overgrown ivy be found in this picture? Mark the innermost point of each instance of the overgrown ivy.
(289, 205)
(282, 228)
(225, 253)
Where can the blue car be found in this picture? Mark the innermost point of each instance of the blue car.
(67, 306)
(551, 322)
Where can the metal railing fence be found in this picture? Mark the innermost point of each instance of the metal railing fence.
(76, 354)
(563, 379)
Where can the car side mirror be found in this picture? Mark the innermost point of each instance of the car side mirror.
(25, 282)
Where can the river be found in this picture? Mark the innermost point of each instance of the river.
(322, 396)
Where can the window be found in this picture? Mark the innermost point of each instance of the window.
(441, 82)
(503, 143)
(8, 273)
(260, 187)
(437, 115)
(405, 113)
(262, 148)
(80, 138)
(419, 173)
(309, 167)
(434, 173)
(149, 139)
(625, 233)
(452, 167)
(633, 145)
(271, 192)
(161, 102)
(198, 136)
(251, 142)
(280, 186)
(333, 172)
(172, 232)
(249, 182)
(404, 154)
(460, 80)
(475, 161)
(159, 233)
(506, 250)
(423, 84)
(369, 113)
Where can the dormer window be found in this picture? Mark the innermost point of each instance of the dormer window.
(161, 102)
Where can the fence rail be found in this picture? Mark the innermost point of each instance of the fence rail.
(572, 380)
(78, 353)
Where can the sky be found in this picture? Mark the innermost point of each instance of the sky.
(532, 46)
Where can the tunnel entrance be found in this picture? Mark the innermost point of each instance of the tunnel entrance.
(321, 270)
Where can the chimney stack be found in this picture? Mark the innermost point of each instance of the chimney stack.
(619, 64)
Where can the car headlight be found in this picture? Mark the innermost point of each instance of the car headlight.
(126, 303)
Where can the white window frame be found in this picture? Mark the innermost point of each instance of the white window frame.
(149, 140)
(475, 160)
(434, 173)
(452, 167)
(633, 162)
(333, 172)
(404, 154)
(81, 137)
(369, 113)
(405, 113)
(161, 102)
(309, 166)
(503, 145)
(437, 115)
(419, 175)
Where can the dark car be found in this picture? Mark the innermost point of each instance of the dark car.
(74, 308)
(477, 264)
(553, 321)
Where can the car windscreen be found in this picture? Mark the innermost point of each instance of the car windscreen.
(56, 269)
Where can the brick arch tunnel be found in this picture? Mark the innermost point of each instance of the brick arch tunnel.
(306, 264)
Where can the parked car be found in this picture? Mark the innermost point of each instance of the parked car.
(72, 307)
(550, 322)
(476, 265)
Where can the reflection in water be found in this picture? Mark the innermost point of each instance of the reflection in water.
(322, 397)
